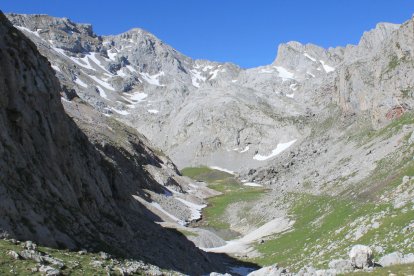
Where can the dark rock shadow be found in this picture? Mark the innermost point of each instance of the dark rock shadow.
(66, 186)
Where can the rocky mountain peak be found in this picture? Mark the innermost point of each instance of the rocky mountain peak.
(372, 39)
(306, 60)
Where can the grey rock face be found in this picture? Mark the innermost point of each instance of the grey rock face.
(202, 112)
(396, 258)
(149, 85)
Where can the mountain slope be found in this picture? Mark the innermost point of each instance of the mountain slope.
(62, 188)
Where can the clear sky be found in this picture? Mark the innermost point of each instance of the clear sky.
(245, 32)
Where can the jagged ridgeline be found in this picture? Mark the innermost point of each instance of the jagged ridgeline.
(64, 190)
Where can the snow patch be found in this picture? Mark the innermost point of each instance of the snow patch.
(138, 97)
(81, 83)
(153, 111)
(293, 86)
(309, 57)
(75, 60)
(197, 78)
(284, 73)
(214, 74)
(92, 56)
(195, 209)
(112, 55)
(290, 95)
(252, 184)
(121, 73)
(310, 74)
(102, 92)
(326, 67)
(221, 169)
(245, 149)
(279, 148)
(57, 69)
(103, 83)
(153, 79)
(29, 31)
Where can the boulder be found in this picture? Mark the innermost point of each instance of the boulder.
(49, 271)
(361, 256)
(14, 255)
(29, 245)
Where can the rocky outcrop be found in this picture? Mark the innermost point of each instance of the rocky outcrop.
(396, 258)
(63, 188)
(361, 256)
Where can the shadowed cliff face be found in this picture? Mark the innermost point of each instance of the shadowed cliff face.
(63, 188)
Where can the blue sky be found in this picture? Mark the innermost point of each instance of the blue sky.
(240, 31)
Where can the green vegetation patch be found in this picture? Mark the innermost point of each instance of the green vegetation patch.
(232, 191)
(317, 219)
(327, 227)
(75, 264)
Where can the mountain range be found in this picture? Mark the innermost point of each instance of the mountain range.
(98, 130)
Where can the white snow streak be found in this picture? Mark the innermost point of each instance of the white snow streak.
(280, 148)
(112, 55)
(29, 31)
(103, 83)
(81, 83)
(284, 73)
(326, 67)
(153, 111)
(309, 57)
(102, 92)
(245, 149)
(56, 68)
(138, 96)
(221, 169)
(252, 184)
(75, 60)
(92, 56)
(194, 208)
(152, 79)
(197, 78)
